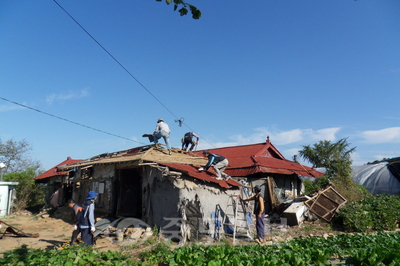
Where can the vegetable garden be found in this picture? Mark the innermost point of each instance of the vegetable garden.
(377, 213)
(345, 249)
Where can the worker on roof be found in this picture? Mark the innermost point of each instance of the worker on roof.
(162, 130)
(189, 139)
(219, 163)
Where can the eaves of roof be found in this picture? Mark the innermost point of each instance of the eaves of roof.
(207, 176)
(139, 156)
(260, 164)
(53, 171)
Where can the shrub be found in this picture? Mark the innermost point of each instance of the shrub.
(377, 213)
(312, 187)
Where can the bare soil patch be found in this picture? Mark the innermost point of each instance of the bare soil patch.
(53, 231)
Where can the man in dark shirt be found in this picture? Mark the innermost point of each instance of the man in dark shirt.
(259, 213)
(188, 139)
(77, 230)
(219, 163)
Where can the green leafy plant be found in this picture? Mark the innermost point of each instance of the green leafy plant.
(377, 213)
(74, 255)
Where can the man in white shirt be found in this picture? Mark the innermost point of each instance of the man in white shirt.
(162, 130)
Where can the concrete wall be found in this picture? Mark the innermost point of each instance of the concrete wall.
(168, 201)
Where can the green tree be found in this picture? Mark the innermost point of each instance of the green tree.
(29, 193)
(183, 8)
(336, 158)
(22, 169)
(15, 155)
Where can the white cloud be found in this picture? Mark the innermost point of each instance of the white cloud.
(278, 137)
(391, 117)
(50, 99)
(325, 134)
(386, 135)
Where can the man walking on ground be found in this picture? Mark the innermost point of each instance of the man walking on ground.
(162, 130)
(188, 139)
(77, 209)
(86, 219)
(219, 163)
(259, 213)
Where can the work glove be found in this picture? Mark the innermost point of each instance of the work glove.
(75, 227)
(93, 229)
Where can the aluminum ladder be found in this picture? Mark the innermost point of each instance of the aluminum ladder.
(235, 214)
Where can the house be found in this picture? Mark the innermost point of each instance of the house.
(160, 189)
(256, 162)
(57, 180)
(148, 184)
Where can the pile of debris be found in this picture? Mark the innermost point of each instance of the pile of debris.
(127, 236)
(323, 205)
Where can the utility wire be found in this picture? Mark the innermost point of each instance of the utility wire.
(79, 124)
(124, 68)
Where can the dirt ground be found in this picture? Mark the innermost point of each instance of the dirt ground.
(55, 229)
(53, 232)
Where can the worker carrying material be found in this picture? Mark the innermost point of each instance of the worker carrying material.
(190, 138)
(219, 163)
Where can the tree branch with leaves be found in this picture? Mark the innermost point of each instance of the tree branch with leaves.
(184, 8)
(336, 158)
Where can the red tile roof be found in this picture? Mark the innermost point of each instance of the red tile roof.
(208, 176)
(53, 171)
(260, 158)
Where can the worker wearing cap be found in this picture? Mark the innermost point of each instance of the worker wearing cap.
(86, 219)
(162, 130)
(259, 213)
(219, 163)
(188, 139)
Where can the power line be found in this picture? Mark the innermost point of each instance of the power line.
(79, 124)
(126, 70)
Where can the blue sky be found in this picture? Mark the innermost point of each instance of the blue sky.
(297, 71)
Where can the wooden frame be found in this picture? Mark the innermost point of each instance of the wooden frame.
(326, 203)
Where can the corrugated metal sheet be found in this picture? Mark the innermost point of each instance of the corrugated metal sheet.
(53, 171)
(208, 176)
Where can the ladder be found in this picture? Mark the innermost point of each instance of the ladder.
(235, 214)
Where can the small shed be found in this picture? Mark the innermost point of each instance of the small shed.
(7, 196)
(57, 180)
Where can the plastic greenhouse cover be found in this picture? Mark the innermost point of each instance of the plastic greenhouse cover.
(377, 178)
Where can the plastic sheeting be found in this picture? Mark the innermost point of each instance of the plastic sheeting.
(377, 178)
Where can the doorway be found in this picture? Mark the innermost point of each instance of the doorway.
(130, 196)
